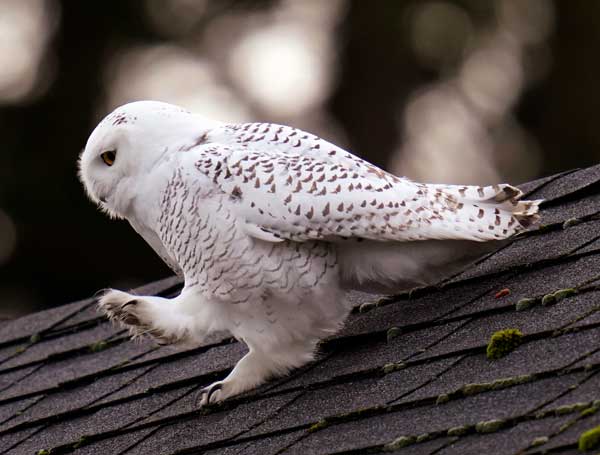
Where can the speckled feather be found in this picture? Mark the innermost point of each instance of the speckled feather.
(288, 184)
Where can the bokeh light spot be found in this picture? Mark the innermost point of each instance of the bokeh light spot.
(26, 27)
(174, 75)
(281, 69)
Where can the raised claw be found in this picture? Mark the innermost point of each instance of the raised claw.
(120, 307)
(131, 302)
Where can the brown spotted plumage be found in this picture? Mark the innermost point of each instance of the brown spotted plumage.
(432, 211)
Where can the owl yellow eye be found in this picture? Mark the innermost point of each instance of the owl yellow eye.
(109, 157)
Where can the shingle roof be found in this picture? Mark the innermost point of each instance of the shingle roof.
(70, 382)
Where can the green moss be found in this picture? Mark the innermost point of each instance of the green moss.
(391, 367)
(525, 304)
(589, 411)
(82, 441)
(569, 408)
(515, 380)
(424, 437)
(398, 443)
(98, 346)
(458, 431)
(43, 452)
(35, 338)
(443, 398)
(385, 301)
(20, 350)
(564, 427)
(539, 441)
(346, 417)
(544, 228)
(557, 296)
(548, 299)
(321, 424)
(586, 409)
(571, 222)
(590, 439)
(503, 342)
(489, 426)
(564, 293)
(393, 333)
(367, 307)
(472, 389)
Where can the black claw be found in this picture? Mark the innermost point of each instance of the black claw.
(131, 302)
(210, 390)
(130, 319)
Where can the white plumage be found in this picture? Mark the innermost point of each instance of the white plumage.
(269, 225)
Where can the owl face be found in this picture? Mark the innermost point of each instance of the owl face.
(128, 143)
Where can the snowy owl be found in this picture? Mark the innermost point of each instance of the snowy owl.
(269, 226)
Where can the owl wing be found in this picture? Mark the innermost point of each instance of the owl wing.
(287, 184)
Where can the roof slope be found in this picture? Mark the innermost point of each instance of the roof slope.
(71, 382)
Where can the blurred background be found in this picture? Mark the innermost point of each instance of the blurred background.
(452, 91)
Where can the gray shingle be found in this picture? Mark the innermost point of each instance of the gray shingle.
(217, 426)
(568, 183)
(511, 440)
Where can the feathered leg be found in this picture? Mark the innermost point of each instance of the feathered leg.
(255, 368)
(163, 319)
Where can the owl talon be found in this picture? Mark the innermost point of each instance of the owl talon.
(142, 315)
(114, 304)
(211, 394)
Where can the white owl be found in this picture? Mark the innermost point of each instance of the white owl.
(269, 225)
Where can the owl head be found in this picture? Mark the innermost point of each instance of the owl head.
(128, 143)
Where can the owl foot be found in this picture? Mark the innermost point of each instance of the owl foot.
(254, 369)
(219, 391)
(247, 374)
(214, 393)
(137, 314)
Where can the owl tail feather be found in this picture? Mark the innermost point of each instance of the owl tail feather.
(509, 198)
(495, 211)
(525, 212)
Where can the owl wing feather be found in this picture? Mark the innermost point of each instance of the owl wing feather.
(287, 184)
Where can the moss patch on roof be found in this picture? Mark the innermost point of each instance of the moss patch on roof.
(525, 304)
(590, 439)
(539, 441)
(489, 426)
(557, 296)
(398, 443)
(503, 342)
